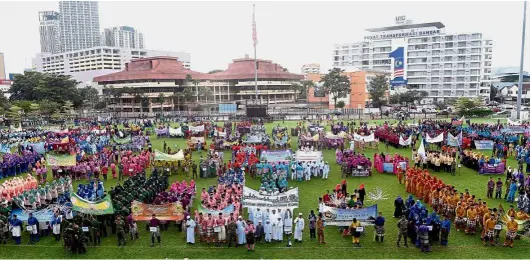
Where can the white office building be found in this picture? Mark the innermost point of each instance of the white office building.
(123, 36)
(86, 64)
(313, 68)
(79, 25)
(49, 32)
(445, 65)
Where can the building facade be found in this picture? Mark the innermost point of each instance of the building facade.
(2, 67)
(79, 25)
(313, 68)
(123, 36)
(445, 65)
(358, 98)
(49, 32)
(85, 64)
(167, 77)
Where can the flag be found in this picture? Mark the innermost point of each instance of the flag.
(460, 139)
(421, 150)
(254, 33)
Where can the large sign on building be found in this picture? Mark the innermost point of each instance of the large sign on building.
(398, 75)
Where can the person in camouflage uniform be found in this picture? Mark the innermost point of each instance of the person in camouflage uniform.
(231, 232)
(96, 234)
(3, 225)
(402, 230)
(120, 231)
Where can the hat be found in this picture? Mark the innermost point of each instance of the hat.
(188, 217)
(299, 214)
(259, 221)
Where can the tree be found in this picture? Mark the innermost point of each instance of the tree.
(187, 94)
(340, 104)
(495, 94)
(336, 84)
(160, 99)
(48, 107)
(215, 71)
(14, 114)
(195, 83)
(409, 97)
(377, 90)
(90, 95)
(465, 103)
(307, 84)
(138, 99)
(206, 92)
(67, 109)
(4, 104)
(36, 86)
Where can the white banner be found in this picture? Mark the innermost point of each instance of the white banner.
(367, 139)
(197, 128)
(286, 200)
(314, 156)
(510, 122)
(220, 134)
(194, 140)
(437, 139)
(405, 142)
(176, 132)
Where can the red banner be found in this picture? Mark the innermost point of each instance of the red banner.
(144, 212)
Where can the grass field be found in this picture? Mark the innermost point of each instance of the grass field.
(174, 246)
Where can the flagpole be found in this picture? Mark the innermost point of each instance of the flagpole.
(520, 85)
(255, 53)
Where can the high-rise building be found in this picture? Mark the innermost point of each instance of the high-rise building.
(313, 68)
(49, 32)
(424, 58)
(2, 67)
(79, 25)
(123, 36)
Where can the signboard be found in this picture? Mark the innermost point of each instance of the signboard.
(160, 156)
(253, 199)
(170, 211)
(60, 160)
(484, 144)
(343, 217)
(102, 207)
(303, 156)
(277, 156)
(226, 211)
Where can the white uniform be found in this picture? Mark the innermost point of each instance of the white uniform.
(258, 215)
(299, 228)
(267, 228)
(190, 231)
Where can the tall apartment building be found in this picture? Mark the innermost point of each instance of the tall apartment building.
(85, 64)
(79, 25)
(313, 68)
(2, 67)
(445, 65)
(123, 36)
(49, 32)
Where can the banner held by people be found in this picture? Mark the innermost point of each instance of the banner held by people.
(254, 199)
(102, 207)
(170, 211)
(343, 217)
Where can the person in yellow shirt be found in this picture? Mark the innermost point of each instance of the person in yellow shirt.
(355, 234)
(511, 212)
(511, 231)
(521, 215)
(489, 230)
(471, 220)
(459, 219)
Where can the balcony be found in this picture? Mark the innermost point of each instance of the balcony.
(264, 83)
(265, 92)
(145, 84)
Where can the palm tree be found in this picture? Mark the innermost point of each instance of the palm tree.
(206, 92)
(160, 99)
(195, 82)
(187, 94)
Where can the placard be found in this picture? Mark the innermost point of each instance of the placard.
(430, 228)
(217, 229)
(85, 229)
(288, 229)
(359, 229)
(153, 229)
(498, 227)
(29, 228)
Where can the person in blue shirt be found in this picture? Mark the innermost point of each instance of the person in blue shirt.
(16, 229)
(446, 228)
(33, 233)
(379, 228)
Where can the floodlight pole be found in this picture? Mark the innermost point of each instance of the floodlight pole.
(520, 88)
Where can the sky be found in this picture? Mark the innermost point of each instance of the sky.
(289, 33)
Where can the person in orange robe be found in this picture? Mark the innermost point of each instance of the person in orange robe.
(489, 228)
(471, 220)
(511, 232)
(460, 214)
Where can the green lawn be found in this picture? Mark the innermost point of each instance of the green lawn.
(174, 246)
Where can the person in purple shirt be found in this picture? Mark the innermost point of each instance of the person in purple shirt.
(154, 223)
(491, 186)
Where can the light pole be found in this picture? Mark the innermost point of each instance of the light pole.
(520, 88)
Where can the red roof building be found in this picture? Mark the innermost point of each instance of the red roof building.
(162, 85)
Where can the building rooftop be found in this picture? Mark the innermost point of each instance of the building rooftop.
(438, 25)
(170, 68)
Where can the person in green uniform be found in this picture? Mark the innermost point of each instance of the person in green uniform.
(96, 234)
(120, 231)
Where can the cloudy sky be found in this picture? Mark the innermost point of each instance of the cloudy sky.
(289, 33)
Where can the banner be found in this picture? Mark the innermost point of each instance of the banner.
(102, 207)
(421, 150)
(277, 156)
(144, 212)
(125, 140)
(303, 156)
(452, 140)
(226, 211)
(195, 139)
(510, 122)
(37, 147)
(60, 160)
(176, 132)
(42, 215)
(253, 199)
(437, 139)
(515, 129)
(366, 139)
(65, 140)
(405, 142)
(220, 134)
(163, 131)
(343, 217)
(484, 144)
(197, 128)
(253, 139)
(160, 156)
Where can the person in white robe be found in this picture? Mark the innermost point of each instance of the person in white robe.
(241, 237)
(299, 225)
(274, 223)
(190, 231)
(277, 229)
(266, 216)
(258, 216)
(268, 231)
(326, 171)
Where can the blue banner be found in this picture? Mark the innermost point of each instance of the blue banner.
(452, 140)
(41, 215)
(343, 217)
(37, 147)
(484, 144)
(277, 156)
(399, 67)
(515, 129)
(388, 167)
(226, 211)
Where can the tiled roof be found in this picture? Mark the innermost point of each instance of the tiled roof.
(170, 68)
